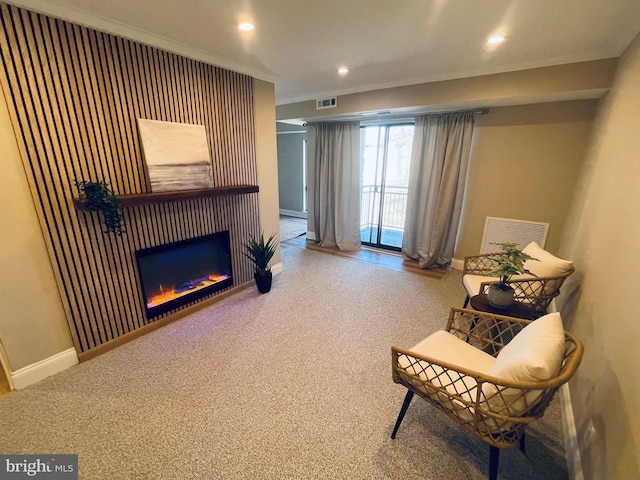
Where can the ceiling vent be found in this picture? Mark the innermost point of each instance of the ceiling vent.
(323, 103)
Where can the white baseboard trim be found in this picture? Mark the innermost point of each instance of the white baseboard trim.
(35, 372)
(277, 268)
(311, 236)
(457, 264)
(571, 447)
(293, 213)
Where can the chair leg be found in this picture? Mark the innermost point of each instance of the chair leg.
(494, 457)
(523, 445)
(403, 410)
(466, 302)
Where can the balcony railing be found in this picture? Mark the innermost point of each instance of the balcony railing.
(394, 207)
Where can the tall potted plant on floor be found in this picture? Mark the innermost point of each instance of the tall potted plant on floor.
(510, 263)
(260, 254)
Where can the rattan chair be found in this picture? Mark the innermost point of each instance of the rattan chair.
(495, 410)
(534, 292)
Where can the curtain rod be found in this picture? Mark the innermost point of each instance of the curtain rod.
(397, 116)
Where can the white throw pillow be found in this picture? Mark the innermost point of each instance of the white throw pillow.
(546, 265)
(534, 354)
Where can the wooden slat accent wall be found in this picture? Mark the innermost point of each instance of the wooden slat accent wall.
(74, 95)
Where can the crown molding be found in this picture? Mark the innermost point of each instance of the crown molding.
(97, 22)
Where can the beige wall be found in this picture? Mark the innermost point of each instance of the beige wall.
(524, 165)
(532, 132)
(602, 237)
(33, 325)
(267, 158)
(563, 82)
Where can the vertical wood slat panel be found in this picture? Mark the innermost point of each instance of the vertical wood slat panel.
(49, 182)
(46, 42)
(64, 118)
(74, 96)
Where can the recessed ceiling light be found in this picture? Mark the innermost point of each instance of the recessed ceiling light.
(494, 40)
(343, 70)
(246, 26)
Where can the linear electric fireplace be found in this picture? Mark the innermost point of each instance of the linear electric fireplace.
(177, 273)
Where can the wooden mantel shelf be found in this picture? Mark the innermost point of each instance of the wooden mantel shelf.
(137, 199)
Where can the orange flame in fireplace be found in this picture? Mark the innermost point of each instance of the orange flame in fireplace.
(184, 289)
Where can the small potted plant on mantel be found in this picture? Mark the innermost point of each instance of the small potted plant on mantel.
(100, 198)
(510, 263)
(260, 254)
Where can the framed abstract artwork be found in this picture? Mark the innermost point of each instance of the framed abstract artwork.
(176, 155)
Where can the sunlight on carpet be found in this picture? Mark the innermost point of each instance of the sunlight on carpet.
(389, 260)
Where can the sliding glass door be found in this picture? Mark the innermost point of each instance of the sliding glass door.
(385, 155)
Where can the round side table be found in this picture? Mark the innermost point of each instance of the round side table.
(516, 309)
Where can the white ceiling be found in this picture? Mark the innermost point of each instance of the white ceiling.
(300, 44)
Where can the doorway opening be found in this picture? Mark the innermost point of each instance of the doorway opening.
(385, 157)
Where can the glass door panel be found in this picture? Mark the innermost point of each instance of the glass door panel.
(385, 159)
(371, 177)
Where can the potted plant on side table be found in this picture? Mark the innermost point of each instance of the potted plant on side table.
(510, 263)
(260, 254)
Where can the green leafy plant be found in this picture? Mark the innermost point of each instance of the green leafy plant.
(100, 198)
(260, 253)
(510, 263)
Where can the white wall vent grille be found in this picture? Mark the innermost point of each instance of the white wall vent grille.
(323, 103)
(521, 232)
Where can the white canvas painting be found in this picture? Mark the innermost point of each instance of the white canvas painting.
(176, 154)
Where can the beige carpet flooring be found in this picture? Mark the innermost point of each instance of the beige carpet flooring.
(294, 384)
(371, 256)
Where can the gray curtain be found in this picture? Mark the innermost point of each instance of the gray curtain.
(337, 184)
(439, 161)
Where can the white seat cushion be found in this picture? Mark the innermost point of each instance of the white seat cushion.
(472, 283)
(448, 348)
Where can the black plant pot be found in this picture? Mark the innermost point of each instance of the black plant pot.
(263, 282)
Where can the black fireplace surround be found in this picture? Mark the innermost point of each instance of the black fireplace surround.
(178, 273)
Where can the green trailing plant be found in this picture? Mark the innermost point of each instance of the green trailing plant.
(260, 253)
(100, 198)
(510, 263)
